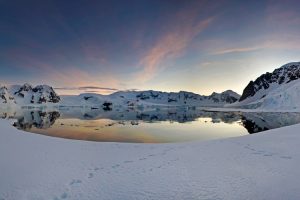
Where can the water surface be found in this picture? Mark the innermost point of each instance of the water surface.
(145, 126)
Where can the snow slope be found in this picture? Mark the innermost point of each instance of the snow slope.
(284, 97)
(261, 166)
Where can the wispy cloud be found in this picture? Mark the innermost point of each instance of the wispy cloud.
(237, 50)
(86, 88)
(60, 73)
(289, 42)
(273, 41)
(172, 44)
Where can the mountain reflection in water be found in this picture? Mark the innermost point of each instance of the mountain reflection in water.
(146, 126)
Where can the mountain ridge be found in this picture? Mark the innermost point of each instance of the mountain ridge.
(151, 97)
(43, 94)
(278, 90)
(284, 74)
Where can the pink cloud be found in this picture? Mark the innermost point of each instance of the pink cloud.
(172, 44)
(68, 75)
(237, 50)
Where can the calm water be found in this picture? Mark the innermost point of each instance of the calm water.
(145, 126)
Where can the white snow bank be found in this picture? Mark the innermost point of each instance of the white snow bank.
(261, 166)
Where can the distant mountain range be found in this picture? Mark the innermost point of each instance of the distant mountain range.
(279, 90)
(43, 94)
(142, 98)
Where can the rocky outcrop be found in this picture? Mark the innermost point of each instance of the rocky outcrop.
(285, 74)
(26, 94)
(45, 94)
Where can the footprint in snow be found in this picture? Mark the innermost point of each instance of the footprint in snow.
(128, 161)
(115, 166)
(248, 147)
(264, 153)
(286, 157)
(64, 195)
(268, 154)
(91, 175)
(75, 182)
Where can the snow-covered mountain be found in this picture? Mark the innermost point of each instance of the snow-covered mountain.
(26, 94)
(43, 94)
(150, 97)
(5, 96)
(227, 97)
(279, 90)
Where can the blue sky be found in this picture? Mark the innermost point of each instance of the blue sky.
(199, 46)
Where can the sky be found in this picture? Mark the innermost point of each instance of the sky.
(201, 46)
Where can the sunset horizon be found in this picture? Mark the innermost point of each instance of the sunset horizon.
(149, 99)
(146, 45)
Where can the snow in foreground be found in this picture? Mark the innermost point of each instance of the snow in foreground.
(261, 166)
